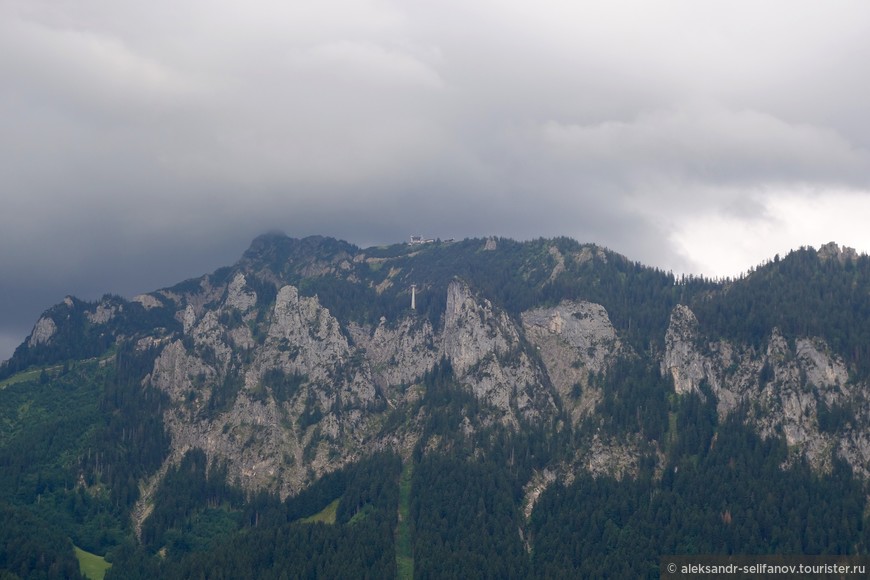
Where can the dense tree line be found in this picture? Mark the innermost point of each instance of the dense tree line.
(78, 437)
(192, 497)
(465, 521)
(635, 400)
(802, 295)
(210, 529)
(638, 299)
(76, 337)
(49, 430)
(723, 491)
(31, 547)
(75, 446)
(130, 440)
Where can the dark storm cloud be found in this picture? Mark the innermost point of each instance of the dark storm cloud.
(144, 143)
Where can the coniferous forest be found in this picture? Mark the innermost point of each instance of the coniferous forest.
(81, 430)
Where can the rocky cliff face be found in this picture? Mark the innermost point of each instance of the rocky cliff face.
(347, 379)
(483, 346)
(283, 397)
(783, 390)
(42, 332)
(280, 410)
(267, 380)
(576, 341)
(399, 355)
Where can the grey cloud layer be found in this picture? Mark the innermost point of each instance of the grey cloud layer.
(144, 143)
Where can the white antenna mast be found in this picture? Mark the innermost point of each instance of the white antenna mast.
(413, 296)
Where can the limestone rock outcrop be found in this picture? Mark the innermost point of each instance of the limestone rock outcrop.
(787, 388)
(575, 340)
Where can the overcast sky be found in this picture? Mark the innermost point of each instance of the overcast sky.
(143, 143)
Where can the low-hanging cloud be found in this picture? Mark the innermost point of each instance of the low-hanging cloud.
(143, 144)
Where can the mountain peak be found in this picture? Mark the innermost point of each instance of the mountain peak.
(527, 365)
(273, 250)
(832, 251)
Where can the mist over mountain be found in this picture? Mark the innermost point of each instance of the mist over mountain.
(482, 407)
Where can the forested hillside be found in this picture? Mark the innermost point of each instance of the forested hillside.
(548, 409)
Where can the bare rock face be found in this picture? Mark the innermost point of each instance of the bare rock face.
(560, 263)
(729, 372)
(583, 326)
(400, 355)
(612, 458)
(42, 332)
(304, 337)
(277, 433)
(103, 313)
(831, 251)
(574, 339)
(807, 381)
(188, 318)
(682, 359)
(472, 330)
(511, 384)
(483, 345)
(181, 375)
(787, 389)
(298, 400)
(587, 254)
(147, 301)
(823, 371)
(333, 405)
(539, 482)
(238, 296)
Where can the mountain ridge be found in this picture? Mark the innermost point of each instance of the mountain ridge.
(556, 361)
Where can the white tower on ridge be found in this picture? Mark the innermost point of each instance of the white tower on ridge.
(413, 296)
